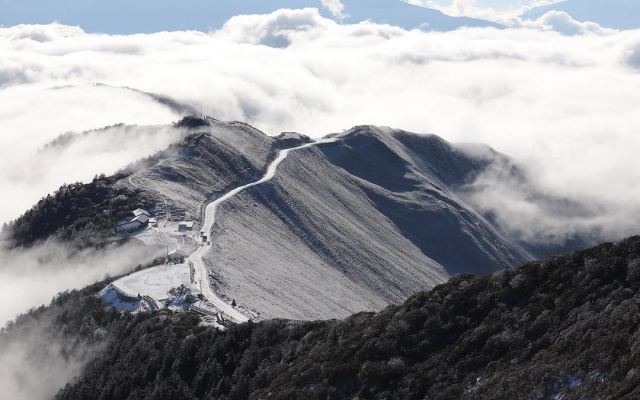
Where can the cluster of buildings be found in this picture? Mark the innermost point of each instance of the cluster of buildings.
(142, 218)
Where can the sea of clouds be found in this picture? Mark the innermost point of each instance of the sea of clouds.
(558, 95)
(35, 364)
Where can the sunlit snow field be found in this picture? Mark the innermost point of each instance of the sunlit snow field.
(155, 282)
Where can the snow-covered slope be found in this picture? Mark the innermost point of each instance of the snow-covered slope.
(354, 225)
(616, 14)
(215, 159)
(347, 225)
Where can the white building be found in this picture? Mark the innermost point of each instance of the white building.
(140, 218)
(129, 226)
(143, 218)
(140, 211)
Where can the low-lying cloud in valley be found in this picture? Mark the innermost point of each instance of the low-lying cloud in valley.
(35, 365)
(558, 95)
(31, 277)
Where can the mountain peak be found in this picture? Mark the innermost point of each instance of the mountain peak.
(192, 121)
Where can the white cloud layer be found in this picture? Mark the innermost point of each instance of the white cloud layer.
(36, 363)
(31, 278)
(564, 104)
(562, 22)
(335, 7)
(33, 114)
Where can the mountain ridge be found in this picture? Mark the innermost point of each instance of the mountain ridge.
(352, 225)
(563, 327)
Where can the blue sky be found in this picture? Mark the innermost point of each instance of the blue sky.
(142, 16)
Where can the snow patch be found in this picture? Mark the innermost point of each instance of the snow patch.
(156, 282)
(180, 298)
(110, 298)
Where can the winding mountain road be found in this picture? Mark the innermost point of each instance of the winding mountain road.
(201, 273)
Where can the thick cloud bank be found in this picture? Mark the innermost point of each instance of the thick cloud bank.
(30, 278)
(558, 95)
(36, 365)
(32, 115)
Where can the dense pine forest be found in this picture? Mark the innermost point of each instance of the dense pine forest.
(567, 325)
(77, 213)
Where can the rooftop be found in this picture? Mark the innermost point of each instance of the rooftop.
(140, 211)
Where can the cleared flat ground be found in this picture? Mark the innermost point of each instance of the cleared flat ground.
(155, 282)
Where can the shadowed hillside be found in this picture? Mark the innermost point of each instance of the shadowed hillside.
(355, 225)
(565, 327)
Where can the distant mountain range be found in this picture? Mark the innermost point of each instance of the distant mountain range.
(144, 16)
(400, 13)
(616, 14)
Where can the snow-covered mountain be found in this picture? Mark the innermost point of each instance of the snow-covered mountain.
(142, 16)
(616, 14)
(355, 225)
(288, 227)
(343, 227)
(358, 222)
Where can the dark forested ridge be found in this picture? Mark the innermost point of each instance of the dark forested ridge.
(77, 213)
(567, 325)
